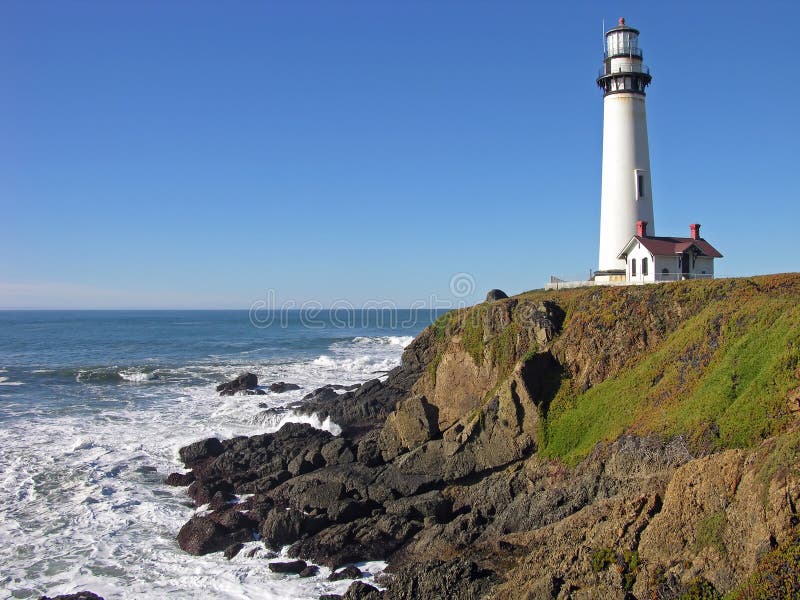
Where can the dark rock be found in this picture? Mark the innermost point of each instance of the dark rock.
(180, 479)
(496, 295)
(201, 535)
(285, 526)
(233, 550)
(197, 452)
(309, 571)
(203, 490)
(369, 451)
(349, 572)
(359, 590)
(458, 578)
(417, 508)
(330, 597)
(77, 596)
(293, 566)
(220, 500)
(280, 387)
(245, 381)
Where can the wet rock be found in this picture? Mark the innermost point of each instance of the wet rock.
(245, 381)
(233, 550)
(180, 479)
(195, 453)
(86, 595)
(349, 572)
(280, 387)
(359, 590)
(309, 571)
(330, 597)
(496, 294)
(293, 566)
(201, 535)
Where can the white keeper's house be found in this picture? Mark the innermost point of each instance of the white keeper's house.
(649, 259)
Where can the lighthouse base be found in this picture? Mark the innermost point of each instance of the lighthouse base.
(609, 276)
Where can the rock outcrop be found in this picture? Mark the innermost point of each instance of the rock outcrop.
(619, 443)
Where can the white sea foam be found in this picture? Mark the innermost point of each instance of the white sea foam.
(5, 381)
(80, 508)
(137, 376)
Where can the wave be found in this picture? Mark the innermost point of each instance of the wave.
(5, 381)
(274, 419)
(114, 375)
(385, 340)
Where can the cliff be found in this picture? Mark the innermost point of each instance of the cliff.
(595, 443)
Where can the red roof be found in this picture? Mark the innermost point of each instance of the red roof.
(665, 246)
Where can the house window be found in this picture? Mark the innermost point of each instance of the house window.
(633, 267)
(644, 267)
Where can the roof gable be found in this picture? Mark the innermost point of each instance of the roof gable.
(670, 246)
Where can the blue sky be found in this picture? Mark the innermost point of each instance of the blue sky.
(196, 155)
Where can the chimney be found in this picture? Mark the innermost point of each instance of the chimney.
(695, 229)
(641, 228)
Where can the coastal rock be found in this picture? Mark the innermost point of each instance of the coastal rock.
(233, 550)
(180, 479)
(349, 572)
(201, 535)
(195, 453)
(309, 571)
(294, 566)
(359, 590)
(413, 423)
(245, 381)
(280, 387)
(460, 578)
(496, 294)
(77, 596)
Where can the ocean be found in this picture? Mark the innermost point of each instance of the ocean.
(94, 406)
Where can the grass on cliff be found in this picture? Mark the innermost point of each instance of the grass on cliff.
(722, 378)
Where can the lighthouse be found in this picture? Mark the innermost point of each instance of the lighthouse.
(626, 195)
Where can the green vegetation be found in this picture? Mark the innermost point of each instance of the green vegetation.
(631, 558)
(711, 532)
(700, 589)
(472, 335)
(777, 575)
(502, 349)
(782, 456)
(602, 559)
(441, 324)
(722, 376)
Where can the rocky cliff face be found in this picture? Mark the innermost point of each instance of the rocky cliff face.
(602, 443)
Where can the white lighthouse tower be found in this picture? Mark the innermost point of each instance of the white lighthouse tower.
(626, 195)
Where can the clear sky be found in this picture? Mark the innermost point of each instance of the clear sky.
(197, 154)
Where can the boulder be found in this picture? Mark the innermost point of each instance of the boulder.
(414, 422)
(233, 550)
(496, 294)
(195, 453)
(76, 596)
(349, 572)
(292, 566)
(359, 590)
(201, 535)
(280, 387)
(309, 571)
(180, 479)
(245, 381)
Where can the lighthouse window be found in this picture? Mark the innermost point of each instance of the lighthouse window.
(640, 185)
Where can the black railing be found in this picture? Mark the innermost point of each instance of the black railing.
(608, 70)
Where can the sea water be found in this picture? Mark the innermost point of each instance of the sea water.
(94, 406)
